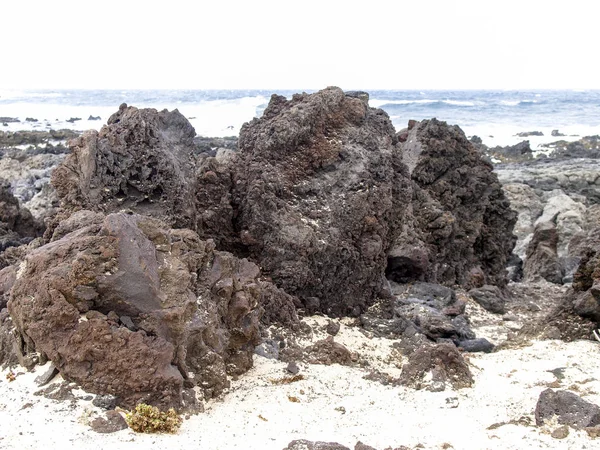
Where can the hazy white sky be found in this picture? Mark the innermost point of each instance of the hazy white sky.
(368, 44)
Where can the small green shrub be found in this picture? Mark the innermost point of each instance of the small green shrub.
(149, 419)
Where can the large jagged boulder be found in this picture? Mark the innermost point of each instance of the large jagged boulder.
(141, 160)
(124, 305)
(463, 221)
(542, 256)
(319, 191)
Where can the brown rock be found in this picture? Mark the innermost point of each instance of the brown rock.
(443, 361)
(114, 422)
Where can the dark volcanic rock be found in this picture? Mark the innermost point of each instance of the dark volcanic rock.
(512, 153)
(141, 160)
(476, 345)
(569, 408)
(542, 257)
(443, 362)
(196, 309)
(490, 298)
(8, 341)
(461, 213)
(319, 191)
(17, 225)
(585, 297)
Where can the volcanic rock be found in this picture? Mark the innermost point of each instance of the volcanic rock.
(569, 408)
(112, 423)
(489, 298)
(319, 192)
(141, 160)
(461, 213)
(542, 257)
(431, 367)
(196, 309)
(303, 444)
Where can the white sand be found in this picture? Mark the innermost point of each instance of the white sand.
(337, 404)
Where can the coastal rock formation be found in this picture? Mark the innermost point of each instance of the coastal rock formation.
(461, 213)
(319, 192)
(125, 306)
(141, 160)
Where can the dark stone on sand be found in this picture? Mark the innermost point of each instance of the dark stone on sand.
(443, 361)
(112, 423)
(476, 345)
(73, 119)
(489, 298)
(569, 409)
(292, 368)
(47, 376)
(333, 328)
(107, 402)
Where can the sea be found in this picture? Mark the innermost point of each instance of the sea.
(496, 116)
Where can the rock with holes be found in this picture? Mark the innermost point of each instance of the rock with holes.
(140, 160)
(568, 408)
(319, 193)
(195, 311)
(433, 367)
(462, 220)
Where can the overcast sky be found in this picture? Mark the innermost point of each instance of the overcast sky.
(366, 44)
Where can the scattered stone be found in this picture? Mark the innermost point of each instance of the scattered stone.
(489, 298)
(107, 401)
(569, 408)
(333, 328)
(292, 368)
(560, 432)
(476, 345)
(327, 351)
(432, 366)
(114, 422)
(30, 119)
(47, 376)
(268, 349)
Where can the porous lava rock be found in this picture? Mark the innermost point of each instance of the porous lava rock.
(462, 220)
(568, 408)
(195, 310)
(319, 191)
(431, 367)
(140, 160)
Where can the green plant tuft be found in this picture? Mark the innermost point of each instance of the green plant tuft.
(149, 419)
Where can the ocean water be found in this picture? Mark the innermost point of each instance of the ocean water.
(495, 116)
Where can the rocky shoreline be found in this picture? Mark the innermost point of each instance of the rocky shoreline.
(154, 266)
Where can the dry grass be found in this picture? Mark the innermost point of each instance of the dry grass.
(149, 419)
